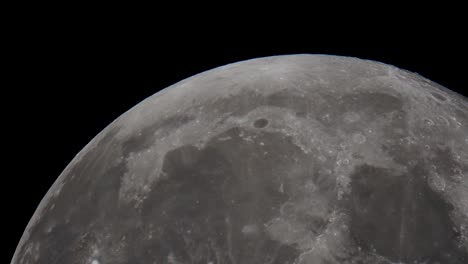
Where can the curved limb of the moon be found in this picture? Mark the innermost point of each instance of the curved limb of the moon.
(286, 159)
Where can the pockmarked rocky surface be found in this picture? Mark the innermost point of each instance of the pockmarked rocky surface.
(287, 159)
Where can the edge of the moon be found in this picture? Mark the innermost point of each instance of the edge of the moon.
(92, 143)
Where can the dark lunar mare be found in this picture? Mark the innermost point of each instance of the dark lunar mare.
(401, 218)
(206, 198)
(195, 213)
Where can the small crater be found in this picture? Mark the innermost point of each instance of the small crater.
(359, 138)
(442, 120)
(260, 123)
(50, 226)
(287, 209)
(428, 122)
(351, 117)
(437, 183)
(438, 96)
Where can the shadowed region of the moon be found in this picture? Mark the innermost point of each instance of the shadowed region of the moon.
(291, 159)
(401, 218)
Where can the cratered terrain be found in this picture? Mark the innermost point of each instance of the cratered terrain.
(287, 159)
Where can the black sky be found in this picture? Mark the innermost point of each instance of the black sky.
(72, 80)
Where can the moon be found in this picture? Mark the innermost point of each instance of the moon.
(290, 159)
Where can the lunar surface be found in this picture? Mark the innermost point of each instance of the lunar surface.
(297, 159)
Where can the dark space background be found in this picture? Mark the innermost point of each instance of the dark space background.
(70, 79)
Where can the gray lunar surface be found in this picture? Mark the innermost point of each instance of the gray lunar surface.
(296, 159)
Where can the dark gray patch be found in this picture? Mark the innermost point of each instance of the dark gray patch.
(301, 114)
(236, 105)
(199, 210)
(260, 123)
(369, 105)
(401, 217)
(462, 116)
(287, 99)
(246, 101)
(374, 103)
